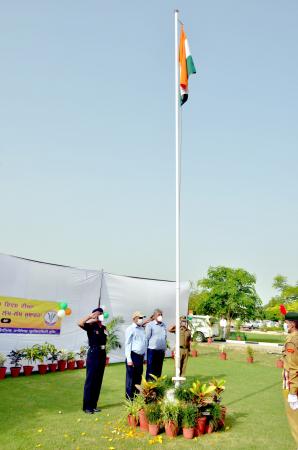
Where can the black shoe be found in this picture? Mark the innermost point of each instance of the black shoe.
(89, 411)
(96, 410)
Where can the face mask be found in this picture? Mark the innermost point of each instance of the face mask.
(159, 318)
(140, 321)
(100, 317)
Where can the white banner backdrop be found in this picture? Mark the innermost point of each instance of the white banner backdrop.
(32, 280)
(82, 289)
(123, 295)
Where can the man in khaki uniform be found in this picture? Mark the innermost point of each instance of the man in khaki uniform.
(290, 373)
(185, 339)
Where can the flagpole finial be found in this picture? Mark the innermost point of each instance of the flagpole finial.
(176, 10)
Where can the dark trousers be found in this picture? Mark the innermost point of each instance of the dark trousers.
(134, 374)
(96, 362)
(154, 363)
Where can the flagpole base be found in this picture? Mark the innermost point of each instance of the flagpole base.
(178, 381)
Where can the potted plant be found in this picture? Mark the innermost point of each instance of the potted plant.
(53, 354)
(40, 352)
(219, 387)
(189, 419)
(132, 412)
(214, 417)
(71, 360)
(62, 361)
(2, 367)
(82, 353)
(250, 354)
(153, 413)
(223, 353)
(28, 354)
(194, 349)
(113, 340)
(238, 324)
(170, 417)
(140, 405)
(209, 340)
(203, 396)
(15, 357)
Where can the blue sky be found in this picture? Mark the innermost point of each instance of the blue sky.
(87, 164)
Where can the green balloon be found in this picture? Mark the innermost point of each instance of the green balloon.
(106, 315)
(62, 305)
(189, 317)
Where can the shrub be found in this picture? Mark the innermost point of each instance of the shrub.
(250, 351)
(189, 416)
(2, 359)
(171, 412)
(15, 357)
(153, 413)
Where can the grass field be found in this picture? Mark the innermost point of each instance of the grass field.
(45, 411)
(260, 337)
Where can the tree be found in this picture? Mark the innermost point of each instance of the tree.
(229, 292)
(287, 295)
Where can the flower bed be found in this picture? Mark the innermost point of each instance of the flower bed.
(194, 408)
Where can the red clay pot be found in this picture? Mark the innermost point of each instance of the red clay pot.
(223, 356)
(132, 421)
(15, 371)
(27, 370)
(171, 429)
(42, 369)
(194, 353)
(201, 426)
(279, 363)
(209, 340)
(71, 365)
(80, 363)
(144, 425)
(238, 338)
(188, 433)
(153, 429)
(107, 360)
(53, 367)
(62, 365)
(250, 359)
(2, 372)
(172, 354)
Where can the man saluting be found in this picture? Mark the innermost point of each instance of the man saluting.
(96, 358)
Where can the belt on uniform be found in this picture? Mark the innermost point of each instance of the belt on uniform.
(100, 347)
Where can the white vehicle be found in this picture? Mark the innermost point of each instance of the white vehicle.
(201, 328)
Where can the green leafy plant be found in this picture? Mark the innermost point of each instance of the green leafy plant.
(53, 353)
(113, 341)
(131, 407)
(152, 390)
(189, 416)
(219, 386)
(82, 353)
(215, 415)
(183, 393)
(250, 351)
(62, 355)
(39, 353)
(139, 402)
(15, 357)
(71, 356)
(171, 412)
(29, 355)
(2, 359)
(202, 393)
(153, 413)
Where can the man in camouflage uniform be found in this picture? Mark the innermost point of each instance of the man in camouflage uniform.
(290, 373)
(185, 339)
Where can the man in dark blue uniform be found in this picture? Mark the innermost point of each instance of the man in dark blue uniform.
(96, 358)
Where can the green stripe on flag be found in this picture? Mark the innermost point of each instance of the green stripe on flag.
(190, 65)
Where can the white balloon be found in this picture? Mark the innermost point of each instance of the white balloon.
(61, 313)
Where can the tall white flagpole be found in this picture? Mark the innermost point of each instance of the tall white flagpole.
(177, 377)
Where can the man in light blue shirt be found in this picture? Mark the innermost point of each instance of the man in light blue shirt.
(156, 334)
(135, 352)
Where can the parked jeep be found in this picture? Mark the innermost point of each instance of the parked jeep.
(203, 327)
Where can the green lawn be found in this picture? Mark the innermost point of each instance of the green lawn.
(44, 411)
(259, 337)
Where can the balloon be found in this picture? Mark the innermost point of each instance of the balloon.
(106, 315)
(61, 313)
(62, 305)
(68, 311)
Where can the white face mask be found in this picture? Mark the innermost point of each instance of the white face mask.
(100, 317)
(159, 318)
(140, 321)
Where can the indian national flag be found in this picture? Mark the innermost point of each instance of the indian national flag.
(187, 66)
